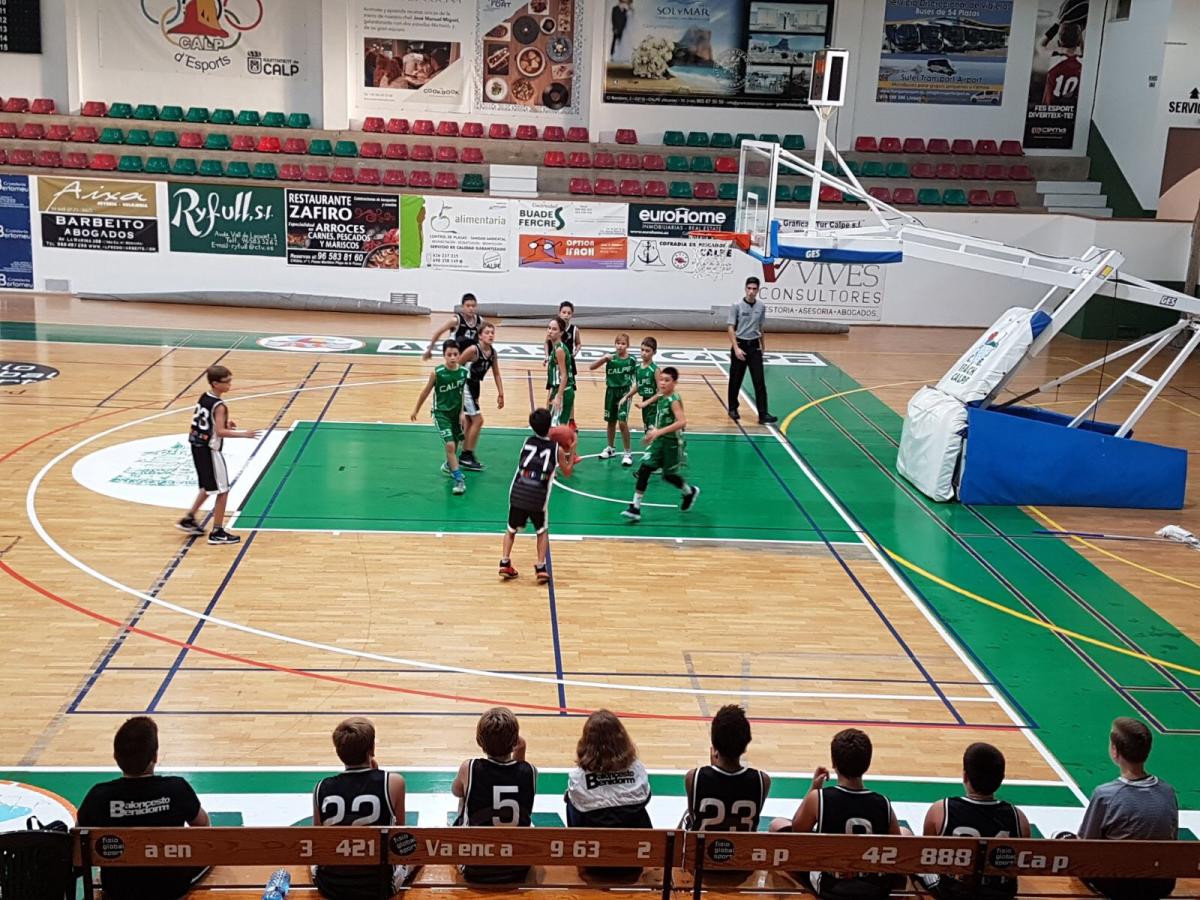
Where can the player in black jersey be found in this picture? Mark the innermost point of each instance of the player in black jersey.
(498, 789)
(478, 358)
(725, 795)
(464, 326)
(845, 808)
(210, 426)
(537, 463)
(363, 794)
(977, 814)
(571, 338)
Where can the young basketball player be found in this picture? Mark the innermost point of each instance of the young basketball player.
(478, 358)
(976, 814)
(210, 426)
(666, 444)
(465, 326)
(447, 383)
(618, 382)
(560, 373)
(644, 383)
(540, 458)
(497, 789)
(572, 339)
(726, 795)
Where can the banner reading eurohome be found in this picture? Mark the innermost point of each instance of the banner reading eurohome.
(946, 53)
(659, 239)
(16, 244)
(465, 234)
(333, 228)
(1057, 72)
(248, 39)
(410, 52)
(571, 235)
(209, 218)
(98, 214)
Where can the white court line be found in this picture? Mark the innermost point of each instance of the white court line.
(35, 521)
(560, 537)
(917, 600)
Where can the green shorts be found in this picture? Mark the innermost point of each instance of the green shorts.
(568, 406)
(647, 416)
(614, 409)
(665, 454)
(449, 427)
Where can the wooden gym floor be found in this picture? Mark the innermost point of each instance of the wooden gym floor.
(811, 583)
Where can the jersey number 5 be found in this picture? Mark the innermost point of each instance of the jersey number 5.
(501, 805)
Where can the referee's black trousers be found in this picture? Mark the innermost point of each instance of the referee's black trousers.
(737, 372)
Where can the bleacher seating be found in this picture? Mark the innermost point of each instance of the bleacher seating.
(374, 124)
(394, 178)
(630, 187)
(554, 133)
(580, 186)
(578, 135)
(655, 189)
(397, 126)
(472, 130)
(527, 133)
(342, 175)
(605, 187)
(420, 178)
(626, 136)
(16, 105)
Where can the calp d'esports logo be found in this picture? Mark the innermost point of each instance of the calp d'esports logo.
(203, 30)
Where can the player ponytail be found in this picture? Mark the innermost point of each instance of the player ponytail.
(562, 329)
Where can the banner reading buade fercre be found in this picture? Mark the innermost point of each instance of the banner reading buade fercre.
(209, 218)
(16, 245)
(333, 228)
(98, 214)
(1056, 75)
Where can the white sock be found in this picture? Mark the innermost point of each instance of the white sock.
(637, 499)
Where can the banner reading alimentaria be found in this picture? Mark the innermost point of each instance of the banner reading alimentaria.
(1057, 72)
(16, 244)
(337, 228)
(466, 234)
(98, 214)
(240, 221)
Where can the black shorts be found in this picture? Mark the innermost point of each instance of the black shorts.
(211, 472)
(518, 516)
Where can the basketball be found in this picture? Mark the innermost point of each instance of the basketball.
(564, 436)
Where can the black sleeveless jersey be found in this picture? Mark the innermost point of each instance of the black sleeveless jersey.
(535, 471)
(481, 364)
(568, 338)
(353, 797)
(203, 432)
(499, 793)
(964, 817)
(466, 334)
(843, 811)
(725, 801)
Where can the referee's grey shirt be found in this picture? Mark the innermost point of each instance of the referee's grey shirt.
(747, 319)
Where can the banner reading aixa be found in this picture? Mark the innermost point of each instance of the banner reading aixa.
(1056, 75)
(98, 214)
(16, 245)
(209, 218)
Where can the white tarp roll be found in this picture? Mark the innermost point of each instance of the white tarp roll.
(994, 355)
(931, 442)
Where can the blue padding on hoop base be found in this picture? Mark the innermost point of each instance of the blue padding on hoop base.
(829, 254)
(1024, 455)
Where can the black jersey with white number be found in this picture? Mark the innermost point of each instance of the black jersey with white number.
(964, 817)
(844, 811)
(726, 801)
(466, 333)
(481, 364)
(535, 473)
(203, 432)
(499, 793)
(354, 797)
(568, 338)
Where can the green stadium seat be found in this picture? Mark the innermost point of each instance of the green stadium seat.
(111, 136)
(265, 171)
(299, 120)
(929, 197)
(170, 114)
(212, 168)
(727, 190)
(249, 118)
(743, 136)
(680, 190)
(697, 138)
(196, 115)
(802, 193)
(473, 183)
(954, 197)
(120, 111)
(158, 165)
(183, 165)
(721, 140)
(274, 120)
(829, 167)
(342, 148)
(238, 169)
(897, 170)
(130, 164)
(677, 164)
(222, 117)
(854, 166)
(216, 140)
(137, 137)
(873, 170)
(147, 112)
(320, 147)
(783, 193)
(793, 142)
(769, 138)
(851, 198)
(165, 138)
(702, 164)
(674, 139)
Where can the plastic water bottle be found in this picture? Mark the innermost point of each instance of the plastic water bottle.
(278, 885)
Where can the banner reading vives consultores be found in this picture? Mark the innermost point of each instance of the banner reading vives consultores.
(1057, 73)
(98, 214)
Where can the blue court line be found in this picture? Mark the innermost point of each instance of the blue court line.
(245, 548)
(846, 568)
(173, 566)
(216, 362)
(144, 371)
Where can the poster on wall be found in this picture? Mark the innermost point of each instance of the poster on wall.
(248, 39)
(240, 221)
(659, 242)
(334, 228)
(530, 56)
(571, 235)
(21, 26)
(945, 53)
(16, 242)
(737, 53)
(411, 53)
(1179, 193)
(455, 233)
(98, 214)
(1056, 74)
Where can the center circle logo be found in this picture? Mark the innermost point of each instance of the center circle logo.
(21, 373)
(311, 343)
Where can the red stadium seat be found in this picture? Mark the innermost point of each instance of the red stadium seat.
(472, 130)
(602, 159)
(243, 143)
(605, 187)
(554, 159)
(498, 131)
(727, 165)
(397, 126)
(424, 127)
(21, 157)
(269, 143)
(396, 151)
(626, 136)
(655, 189)
(447, 129)
(49, 159)
(987, 148)
(1011, 148)
(189, 140)
(578, 135)
(422, 152)
(3, 156)
(962, 147)
(1005, 198)
(946, 171)
(58, 133)
(291, 172)
(296, 146)
(8, 130)
(970, 172)
(374, 124)
(527, 133)
(979, 198)
(32, 131)
(578, 159)
(914, 145)
(472, 156)
(580, 186)
(890, 145)
(938, 147)
(394, 178)
(75, 161)
(370, 150)
(554, 133)
(830, 194)
(994, 172)
(316, 173)
(1020, 173)
(904, 197)
(631, 187)
(94, 109)
(368, 175)
(881, 193)
(342, 175)
(704, 190)
(653, 162)
(420, 178)
(16, 105)
(446, 154)
(865, 144)
(103, 162)
(922, 170)
(628, 161)
(42, 106)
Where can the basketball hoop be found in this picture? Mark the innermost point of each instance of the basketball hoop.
(740, 238)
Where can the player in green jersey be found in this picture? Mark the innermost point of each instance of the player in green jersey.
(644, 384)
(618, 380)
(560, 373)
(666, 444)
(447, 383)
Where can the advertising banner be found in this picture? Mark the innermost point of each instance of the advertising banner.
(411, 52)
(209, 218)
(98, 214)
(334, 228)
(464, 234)
(946, 53)
(1057, 71)
(530, 54)
(659, 239)
(585, 219)
(548, 251)
(16, 242)
(229, 38)
(737, 53)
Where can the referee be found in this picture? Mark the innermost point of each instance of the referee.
(746, 319)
